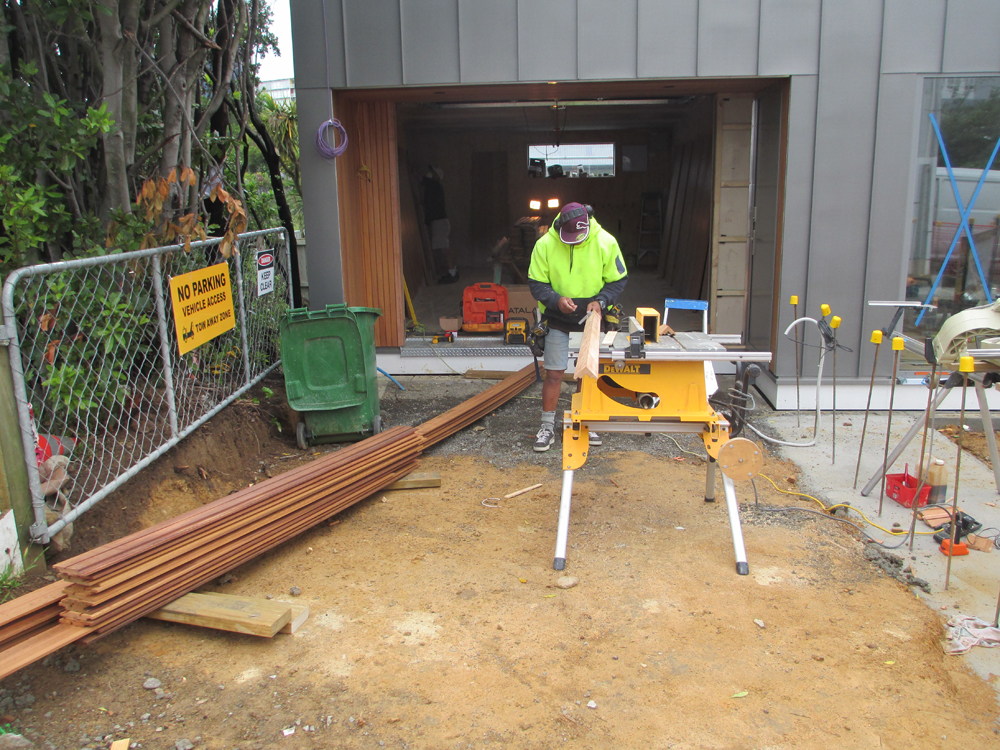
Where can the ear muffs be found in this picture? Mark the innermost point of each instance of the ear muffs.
(574, 214)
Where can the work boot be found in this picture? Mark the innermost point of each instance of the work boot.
(545, 438)
(595, 439)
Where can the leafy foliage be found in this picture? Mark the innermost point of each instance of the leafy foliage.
(970, 128)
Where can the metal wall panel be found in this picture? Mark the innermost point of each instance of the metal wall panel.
(607, 38)
(798, 209)
(488, 40)
(890, 233)
(789, 37)
(309, 41)
(430, 41)
(913, 37)
(972, 37)
(546, 40)
(320, 205)
(728, 35)
(667, 38)
(842, 179)
(373, 43)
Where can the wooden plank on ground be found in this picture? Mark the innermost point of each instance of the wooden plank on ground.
(300, 613)
(37, 647)
(236, 614)
(417, 479)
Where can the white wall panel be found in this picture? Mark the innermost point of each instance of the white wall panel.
(309, 48)
(607, 38)
(373, 43)
(488, 40)
(913, 37)
(667, 38)
(842, 178)
(728, 36)
(430, 41)
(972, 36)
(789, 37)
(547, 40)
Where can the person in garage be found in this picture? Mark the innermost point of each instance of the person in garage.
(576, 267)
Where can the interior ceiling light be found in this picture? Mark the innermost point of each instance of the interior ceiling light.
(535, 205)
(673, 100)
(553, 203)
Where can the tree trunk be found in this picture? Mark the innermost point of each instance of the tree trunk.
(112, 48)
(130, 75)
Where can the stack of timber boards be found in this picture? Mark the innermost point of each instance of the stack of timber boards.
(30, 628)
(444, 425)
(116, 584)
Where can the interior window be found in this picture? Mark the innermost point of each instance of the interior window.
(572, 160)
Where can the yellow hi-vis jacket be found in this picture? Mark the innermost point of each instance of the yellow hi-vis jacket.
(577, 271)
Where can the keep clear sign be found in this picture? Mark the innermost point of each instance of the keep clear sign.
(265, 272)
(203, 306)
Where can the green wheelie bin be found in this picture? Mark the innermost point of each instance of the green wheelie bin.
(328, 357)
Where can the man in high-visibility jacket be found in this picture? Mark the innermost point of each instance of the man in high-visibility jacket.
(576, 267)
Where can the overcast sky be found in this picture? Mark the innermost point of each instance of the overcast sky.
(271, 67)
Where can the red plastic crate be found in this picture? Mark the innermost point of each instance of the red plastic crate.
(903, 488)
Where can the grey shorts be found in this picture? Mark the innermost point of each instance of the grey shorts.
(556, 350)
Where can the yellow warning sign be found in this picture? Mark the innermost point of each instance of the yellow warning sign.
(203, 306)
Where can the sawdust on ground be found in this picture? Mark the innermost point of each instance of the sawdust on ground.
(436, 621)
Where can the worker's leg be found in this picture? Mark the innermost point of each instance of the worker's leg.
(556, 359)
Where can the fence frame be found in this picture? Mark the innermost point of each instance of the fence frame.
(40, 531)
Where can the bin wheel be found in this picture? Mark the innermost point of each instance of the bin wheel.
(377, 425)
(300, 436)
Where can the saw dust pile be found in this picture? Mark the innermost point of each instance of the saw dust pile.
(437, 622)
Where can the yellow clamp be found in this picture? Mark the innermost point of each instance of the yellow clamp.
(897, 344)
(835, 322)
(876, 337)
(967, 364)
(795, 299)
(825, 309)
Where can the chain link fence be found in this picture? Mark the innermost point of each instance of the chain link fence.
(96, 370)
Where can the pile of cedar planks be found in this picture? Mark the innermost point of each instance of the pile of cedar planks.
(118, 583)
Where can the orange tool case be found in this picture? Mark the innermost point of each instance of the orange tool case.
(484, 307)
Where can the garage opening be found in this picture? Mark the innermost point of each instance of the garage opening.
(685, 179)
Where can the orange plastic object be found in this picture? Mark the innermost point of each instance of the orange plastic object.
(961, 548)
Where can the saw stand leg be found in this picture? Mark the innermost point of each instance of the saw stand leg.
(710, 480)
(563, 529)
(742, 566)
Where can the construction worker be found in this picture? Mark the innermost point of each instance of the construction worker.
(576, 267)
(438, 226)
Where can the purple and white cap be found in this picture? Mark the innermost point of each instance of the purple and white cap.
(574, 223)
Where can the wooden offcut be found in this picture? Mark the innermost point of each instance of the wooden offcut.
(300, 613)
(236, 614)
(417, 480)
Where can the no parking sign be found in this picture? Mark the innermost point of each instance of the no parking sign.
(265, 272)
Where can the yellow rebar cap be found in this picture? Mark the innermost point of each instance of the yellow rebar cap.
(967, 364)
(835, 322)
(876, 337)
(897, 344)
(825, 309)
(794, 300)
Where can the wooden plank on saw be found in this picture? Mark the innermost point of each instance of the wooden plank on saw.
(236, 614)
(416, 480)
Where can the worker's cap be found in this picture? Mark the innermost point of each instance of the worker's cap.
(574, 223)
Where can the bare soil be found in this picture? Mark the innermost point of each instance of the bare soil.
(437, 622)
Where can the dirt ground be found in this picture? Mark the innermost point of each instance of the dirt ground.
(437, 622)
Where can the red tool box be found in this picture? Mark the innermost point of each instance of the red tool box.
(484, 308)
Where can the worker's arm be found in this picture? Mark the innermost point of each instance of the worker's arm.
(544, 293)
(612, 289)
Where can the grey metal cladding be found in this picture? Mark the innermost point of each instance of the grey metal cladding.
(850, 45)
(889, 235)
(309, 42)
(913, 37)
(798, 208)
(728, 36)
(607, 38)
(488, 40)
(430, 41)
(547, 40)
(667, 38)
(373, 43)
(972, 37)
(789, 37)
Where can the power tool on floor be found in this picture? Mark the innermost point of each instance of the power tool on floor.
(448, 337)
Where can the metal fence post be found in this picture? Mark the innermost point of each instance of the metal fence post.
(244, 346)
(161, 322)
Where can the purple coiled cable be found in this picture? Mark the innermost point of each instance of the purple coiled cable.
(326, 150)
